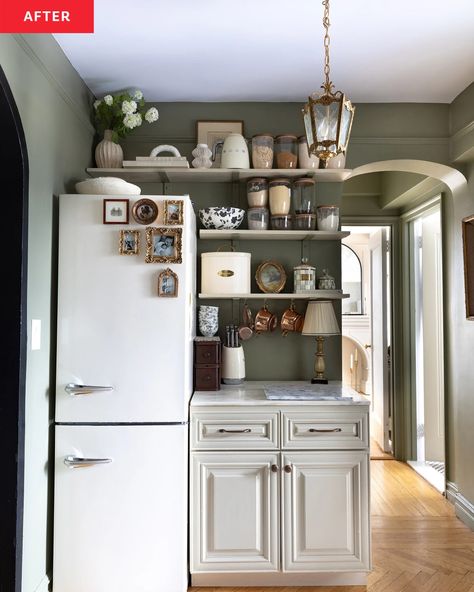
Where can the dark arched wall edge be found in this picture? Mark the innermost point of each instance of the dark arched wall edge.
(14, 159)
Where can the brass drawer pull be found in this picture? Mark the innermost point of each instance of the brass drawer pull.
(325, 431)
(223, 431)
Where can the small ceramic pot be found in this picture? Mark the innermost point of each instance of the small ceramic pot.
(208, 317)
(328, 218)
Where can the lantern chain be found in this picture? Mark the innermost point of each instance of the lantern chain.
(327, 86)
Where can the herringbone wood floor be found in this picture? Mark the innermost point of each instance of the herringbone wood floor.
(418, 544)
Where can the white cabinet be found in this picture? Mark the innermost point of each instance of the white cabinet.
(235, 512)
(281, 517)
(325, 508)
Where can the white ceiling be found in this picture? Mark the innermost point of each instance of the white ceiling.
(271, 50)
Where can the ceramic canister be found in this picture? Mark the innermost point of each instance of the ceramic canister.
(235, 153)
(304, 277)
(225, 273)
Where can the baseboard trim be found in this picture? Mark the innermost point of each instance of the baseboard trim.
(43, 585)
(355, 578)
(462, 506)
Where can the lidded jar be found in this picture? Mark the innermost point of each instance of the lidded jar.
(280, 196)
(262, 151)
(303, 196)
(257, 192)
(304, 277)
(305, 161)
(286, 151)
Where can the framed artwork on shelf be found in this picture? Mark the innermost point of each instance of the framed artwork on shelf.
(129, 242)
(173, 213)
(115, 211)
(271, 277)
(468, 248)
(163, 245)
(168, 284)
(145, 211)
(212, 132)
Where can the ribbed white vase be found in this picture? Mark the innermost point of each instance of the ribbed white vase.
(108, 154)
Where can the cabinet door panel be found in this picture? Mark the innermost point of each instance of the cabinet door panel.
(234, 515)
(325, 508)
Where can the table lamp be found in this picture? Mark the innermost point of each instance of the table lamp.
(320, 320)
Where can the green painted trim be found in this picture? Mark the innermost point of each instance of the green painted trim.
(22, 41)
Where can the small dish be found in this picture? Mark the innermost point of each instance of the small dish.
(145, 211)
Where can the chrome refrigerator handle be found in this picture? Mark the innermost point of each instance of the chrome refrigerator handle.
(75, 462)
(85, 389)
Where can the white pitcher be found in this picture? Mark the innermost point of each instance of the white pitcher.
(235, 153)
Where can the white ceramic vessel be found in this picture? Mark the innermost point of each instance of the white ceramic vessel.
(208, 317)
(235, 153)
(202, 157)
(107, 186)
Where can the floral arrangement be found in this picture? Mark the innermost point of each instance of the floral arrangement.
(122, 113)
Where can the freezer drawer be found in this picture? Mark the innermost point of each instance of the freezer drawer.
(120, 524)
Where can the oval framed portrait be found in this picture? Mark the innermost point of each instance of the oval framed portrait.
(145, 211)
(271, 277)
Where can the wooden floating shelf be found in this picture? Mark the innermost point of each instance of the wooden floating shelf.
(316, 295)
(271, 235)
(183, 175)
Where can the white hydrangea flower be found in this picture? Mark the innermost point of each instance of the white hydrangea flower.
(132, 120)
(96, 104)
(129, 107)
(138, 95)
(108, 99)
(152, 114)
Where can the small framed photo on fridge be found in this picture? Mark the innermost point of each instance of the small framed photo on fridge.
(173, 213)
(115, 211)
(129, 242)
(168, 284)
(163, 245)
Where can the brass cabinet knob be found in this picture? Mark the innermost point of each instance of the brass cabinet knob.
(288, 469)
(367, 345)
(274, 468)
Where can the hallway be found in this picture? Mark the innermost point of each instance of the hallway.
(418, 544)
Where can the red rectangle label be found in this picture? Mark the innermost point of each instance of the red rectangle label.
(46, 16)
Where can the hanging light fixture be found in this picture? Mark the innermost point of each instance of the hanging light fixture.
(327, 117)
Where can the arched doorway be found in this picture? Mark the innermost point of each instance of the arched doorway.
(14, 158)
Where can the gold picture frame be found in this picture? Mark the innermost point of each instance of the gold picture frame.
(163, 245)
(173, 212)
(129, 243)
(168, 282)
(270, 277)
(468, 248)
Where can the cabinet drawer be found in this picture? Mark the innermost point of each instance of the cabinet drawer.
(207, 378)
(328, 429)
(234, 431)
(207, 353)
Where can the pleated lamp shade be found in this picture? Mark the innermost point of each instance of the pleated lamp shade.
(320, 319)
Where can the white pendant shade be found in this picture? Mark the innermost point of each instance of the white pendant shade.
(320, 319)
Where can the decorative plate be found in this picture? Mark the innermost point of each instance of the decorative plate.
(271, 277)
(145, 211)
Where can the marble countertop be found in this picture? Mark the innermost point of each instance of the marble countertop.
(252, 393)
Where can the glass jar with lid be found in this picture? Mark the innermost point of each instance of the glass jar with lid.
(257, 192)
(279, 196)
(262, 151)
(286, 151)
(304, 277)
(305, 161)
(303, 196)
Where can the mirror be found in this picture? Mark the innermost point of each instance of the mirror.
(351, 281)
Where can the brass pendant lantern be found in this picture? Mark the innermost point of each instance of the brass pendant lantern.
(327, 117)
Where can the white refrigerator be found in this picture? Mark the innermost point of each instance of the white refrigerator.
(120, 502)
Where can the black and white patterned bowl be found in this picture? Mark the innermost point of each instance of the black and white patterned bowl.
(221, 218)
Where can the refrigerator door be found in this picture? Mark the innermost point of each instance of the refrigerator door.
(114, 332)
(120, 525)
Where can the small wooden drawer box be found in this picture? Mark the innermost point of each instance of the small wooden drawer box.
(207, 363)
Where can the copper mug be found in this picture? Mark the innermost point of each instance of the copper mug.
(265, 321)
(291, 321)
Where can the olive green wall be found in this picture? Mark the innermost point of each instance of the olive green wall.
(54, 106)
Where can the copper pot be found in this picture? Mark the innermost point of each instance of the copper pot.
(265, 321)
(291, 321)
